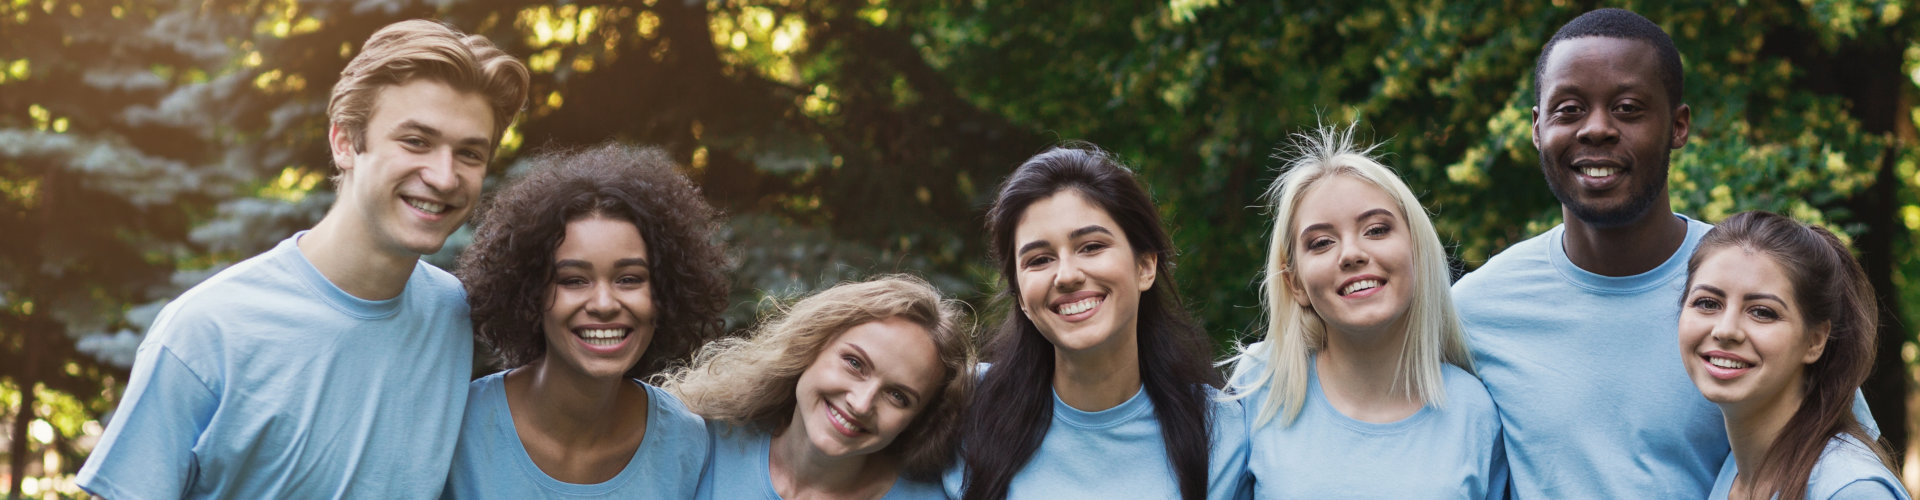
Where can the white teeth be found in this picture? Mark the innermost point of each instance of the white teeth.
(834, 414)
(1359, 285)
(604, 337)
(1726, 363)
(427, 206)
(1599, 171)
(1079, 307)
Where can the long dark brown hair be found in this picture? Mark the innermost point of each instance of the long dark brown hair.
(1831, 289)
(1174, 365)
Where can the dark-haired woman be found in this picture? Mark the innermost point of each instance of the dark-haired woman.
(1777, 328)
(1100, 386)
(597, 268)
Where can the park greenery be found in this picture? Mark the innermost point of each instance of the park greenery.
(145, 144)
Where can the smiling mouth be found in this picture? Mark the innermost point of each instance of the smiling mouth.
(845, 424)
(1077, 307)
(1727, 363)
(1599, 172)
(426, 206)
(1357, 286)
(603, 337)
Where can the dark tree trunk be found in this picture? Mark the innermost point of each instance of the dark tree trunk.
(17, 450)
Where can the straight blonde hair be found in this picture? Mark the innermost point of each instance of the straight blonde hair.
(1294, 333)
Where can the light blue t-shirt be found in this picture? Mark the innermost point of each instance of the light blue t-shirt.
(1847, 470)
(1449, 452)
(738, 470)
(1119, 453)
(1594, 399)
(491, 462)
(267, 381)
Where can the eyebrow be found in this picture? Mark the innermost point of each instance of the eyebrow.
(1751, 296)
(629, 261)
(1095, 228)
(1363, 216)
(429, 131)
(863, 354)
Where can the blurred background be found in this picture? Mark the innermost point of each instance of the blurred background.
(145, 144)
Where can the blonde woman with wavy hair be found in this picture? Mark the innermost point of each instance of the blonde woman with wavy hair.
(1364, 361)
(853, 392)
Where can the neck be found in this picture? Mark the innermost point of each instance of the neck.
(576, 409)
(1361, 375)
(1100, 378)
(1625, 250)
(351, 261)
(1754, 426)
(799, 470)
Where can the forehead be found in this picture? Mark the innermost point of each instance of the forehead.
(1597, 63)
(1738, 271)
(430, 102)
(1340, 198)
(1058, 215)
(901, 351)
(598, 234)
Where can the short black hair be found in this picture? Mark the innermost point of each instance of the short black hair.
(1622, 24)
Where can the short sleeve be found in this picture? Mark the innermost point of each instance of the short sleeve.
(147, 449)
(1866, 490)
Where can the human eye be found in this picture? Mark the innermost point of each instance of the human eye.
(1705, 304)
(1319, 243)
(414, 142)
(571, 281)
(899, 398)
(1095, 246)
(633, 279)
(853, 363)
(1764, 314)
(1378, 230)
(1038, 260)
(473, 155)
(1568, 109)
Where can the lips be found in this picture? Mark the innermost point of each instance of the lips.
(603, 337)
(1078, 305)
(842, 423)
(1724, 365)
(1361, 286)
(1597, 173)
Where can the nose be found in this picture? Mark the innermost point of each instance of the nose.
(1727, 329)
(1068, 276)
(1352, 256)
(601, 305)
(438, 172)
(1598, 129)
(860, 400)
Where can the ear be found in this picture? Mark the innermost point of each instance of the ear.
(1293, 285)
(1147, 267)
(1817, 342)
(1682, 126)
(340, 146)
(1535, 125)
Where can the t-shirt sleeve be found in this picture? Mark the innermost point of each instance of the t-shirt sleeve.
(147, 449)
(1865, 490)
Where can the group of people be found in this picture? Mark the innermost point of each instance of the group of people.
(337, 364)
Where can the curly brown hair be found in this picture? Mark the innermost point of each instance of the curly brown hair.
(508, 271)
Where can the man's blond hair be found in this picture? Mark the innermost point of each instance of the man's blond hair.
(419, 48)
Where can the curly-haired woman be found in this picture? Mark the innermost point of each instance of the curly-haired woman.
(855, 392)
(598, 267)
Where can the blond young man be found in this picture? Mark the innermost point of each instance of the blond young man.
(335, 364)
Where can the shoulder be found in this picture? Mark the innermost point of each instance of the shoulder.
(1527, 256)
(195, 316)
(1848, 466)
(669, 411)
(1467, 395)
(436, 283)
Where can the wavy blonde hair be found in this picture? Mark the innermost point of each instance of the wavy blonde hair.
(1295, 333)
(419, 48)
(750, 381)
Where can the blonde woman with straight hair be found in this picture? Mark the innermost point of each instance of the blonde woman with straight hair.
(1364, 363)
(854, 392)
